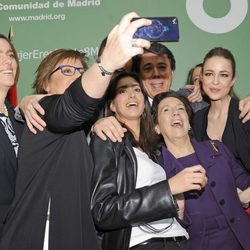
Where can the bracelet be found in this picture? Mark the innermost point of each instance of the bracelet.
(103, 71)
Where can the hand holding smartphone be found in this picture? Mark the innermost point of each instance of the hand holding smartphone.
(162, 29)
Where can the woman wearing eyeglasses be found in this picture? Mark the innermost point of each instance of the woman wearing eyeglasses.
(51, 209)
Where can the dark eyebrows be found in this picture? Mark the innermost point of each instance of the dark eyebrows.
(147, 65)
(162, 64)
(225, 71)
(125, 86)
(221, 71)
(158, 64)
(208, 70)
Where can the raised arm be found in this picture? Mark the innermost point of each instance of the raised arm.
(78, 104)
(118, 51)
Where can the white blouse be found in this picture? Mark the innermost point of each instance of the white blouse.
(149, 173)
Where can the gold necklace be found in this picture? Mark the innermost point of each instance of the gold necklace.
(5, 111)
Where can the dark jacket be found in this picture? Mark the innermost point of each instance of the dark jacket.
(8, 165)
(54, 164)
(224, 176)
(236, 135)
(116, 204)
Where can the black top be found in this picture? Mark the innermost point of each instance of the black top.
(58, 166)
(236, 135)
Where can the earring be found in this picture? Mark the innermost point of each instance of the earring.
(157, 130)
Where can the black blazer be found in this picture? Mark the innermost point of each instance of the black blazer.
(54, 164)
(8, 165)
(236, 135)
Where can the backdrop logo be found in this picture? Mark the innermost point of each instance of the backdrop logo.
(202, 20)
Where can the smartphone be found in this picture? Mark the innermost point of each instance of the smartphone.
(162, 29)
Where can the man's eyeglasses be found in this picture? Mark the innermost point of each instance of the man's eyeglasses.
(68, 70)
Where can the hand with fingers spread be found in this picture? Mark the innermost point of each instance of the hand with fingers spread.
(192, 178)
(109, 127)
(121, 46)
(32, 110)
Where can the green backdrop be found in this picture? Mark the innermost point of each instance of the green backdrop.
(42, 26)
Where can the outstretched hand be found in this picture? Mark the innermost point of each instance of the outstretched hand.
(121, 46)
(119, 49)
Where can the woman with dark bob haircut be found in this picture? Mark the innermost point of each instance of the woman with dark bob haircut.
(213, 216)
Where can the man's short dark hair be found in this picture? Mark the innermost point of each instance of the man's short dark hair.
(157, 49)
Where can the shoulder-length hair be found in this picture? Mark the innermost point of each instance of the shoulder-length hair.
(49, 63)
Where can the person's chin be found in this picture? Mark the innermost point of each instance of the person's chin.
(156, 92)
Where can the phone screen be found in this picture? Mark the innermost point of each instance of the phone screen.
(162, 29)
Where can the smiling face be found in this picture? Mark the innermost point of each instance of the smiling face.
(8, 64)
(217, 78)
(129, 103)
(173, 121)
(156, 73)
(59, 82)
